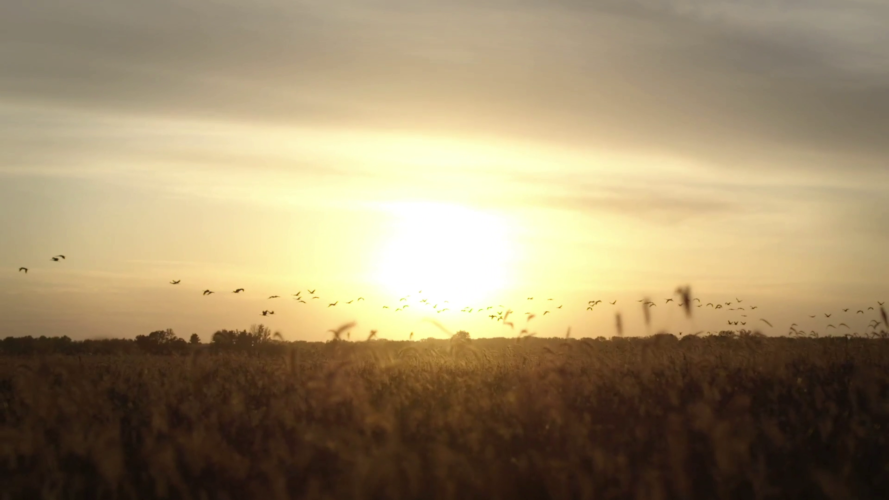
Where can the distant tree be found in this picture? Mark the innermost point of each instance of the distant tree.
(160, 342)
(195, 339)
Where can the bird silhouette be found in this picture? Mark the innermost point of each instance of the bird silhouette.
(812, 316)
(845, 310)
(333, 304)
(312, 291)
(545, 313)
(175, 282)
(860, 312)
(753, 308)
(871, 308)
(738, 300)
(208, 292)
(57, 257)
(843, 324)
(615, 302)
(827, 315)
(765, 321)
(359, 299)
(265, 313)
(239, 290)
(25, 269)
(353, 300)
(273, 296)
(831, 326)
(878, 302)
(668, 301)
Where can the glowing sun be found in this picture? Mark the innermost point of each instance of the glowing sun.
(450, 251)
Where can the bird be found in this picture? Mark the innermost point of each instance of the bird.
(549, 299)
(239, 290)
(359, 299)
(385, 307)
(312, 291)
(765, 321)
(265, 313)
(827, 315)
(831, 326)
(57, 257)
(273, 296)
(353, 300)
(878, 302)
(545, 313)
(668, 301)
(333, 304)
(25, 269)
(846, 310)
(871, 308)
(812, 316)
(615, 302)
(860, 312)
(738, 300)
(843, 324)
(208, 292)
(530, 298)
(753, 308)
(175, 282)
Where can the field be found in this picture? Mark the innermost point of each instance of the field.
(649, 418)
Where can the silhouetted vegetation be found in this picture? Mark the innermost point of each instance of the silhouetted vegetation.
(726, 416)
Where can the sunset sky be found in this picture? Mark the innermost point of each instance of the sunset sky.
(483, 152)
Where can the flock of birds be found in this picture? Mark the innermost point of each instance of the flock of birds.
(501, 313)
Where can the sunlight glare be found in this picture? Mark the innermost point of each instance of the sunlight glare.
(449, 251)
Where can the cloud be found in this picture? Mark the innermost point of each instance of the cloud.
(735, 84)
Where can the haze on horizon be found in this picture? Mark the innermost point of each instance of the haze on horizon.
(483, 152)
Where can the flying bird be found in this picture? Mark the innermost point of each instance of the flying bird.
(333, 304)
(353, 300)
(765, 321)
(25, 269)
(208, 292)
(312, 291)
(239, 290)
(860, 312)
(846, 310)
(668, 301)
(265, 313)
(545, 313)
(273, 296)
(359, 299)
(57, 257)
(826, 315)
(615, 302)
(175, 282)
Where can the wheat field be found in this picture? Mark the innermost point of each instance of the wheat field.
(653, 418)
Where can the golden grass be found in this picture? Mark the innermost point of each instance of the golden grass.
(710, 417)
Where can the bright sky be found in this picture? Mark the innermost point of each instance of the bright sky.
(483, 152)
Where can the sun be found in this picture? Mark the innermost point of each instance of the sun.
(448, 251)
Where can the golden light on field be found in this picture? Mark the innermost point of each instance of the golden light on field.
(449, 251)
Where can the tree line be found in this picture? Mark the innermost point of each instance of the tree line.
(258, 339)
